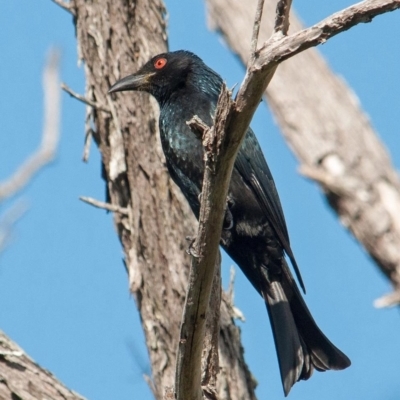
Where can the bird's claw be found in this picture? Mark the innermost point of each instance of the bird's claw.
(228, 218)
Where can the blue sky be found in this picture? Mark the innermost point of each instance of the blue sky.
(63, 288)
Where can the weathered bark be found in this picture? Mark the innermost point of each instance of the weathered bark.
(22, 378)
(324, 125)
(114, 39)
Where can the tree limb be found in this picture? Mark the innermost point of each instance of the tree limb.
(50, 137)
(83, 99)
(256, 29)
(218, 169)
(291, 45)
(22, 378)
(67, 6)
(222, 143)
(282, 17)
(103, 205)
(316, 116)
(8, 220)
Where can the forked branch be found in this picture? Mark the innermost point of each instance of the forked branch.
(223, 141)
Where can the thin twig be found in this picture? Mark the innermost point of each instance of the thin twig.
(282, 16)
(66, 6)
(104, 206)
(274, 52)
(51, 132)
(83, 99)
(198, 127)
(388, 300)
(256, 29)
(8, 221)
(88, 142)
(230, 297)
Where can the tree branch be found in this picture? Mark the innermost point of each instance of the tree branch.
(67, 6)
(22, 378)
(104, 206)
(50, 137)
(8, 219)
(83, 99)
(256, 29)
(222, 143)
(317, 129)
(288, 46)
(274, 51)
(219, 160)
(282, 17)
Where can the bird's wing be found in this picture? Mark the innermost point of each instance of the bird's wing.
(187, 185)
(253, 168)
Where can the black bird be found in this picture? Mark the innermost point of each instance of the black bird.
(254, 232)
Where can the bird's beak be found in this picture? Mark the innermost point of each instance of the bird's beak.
(132, 82)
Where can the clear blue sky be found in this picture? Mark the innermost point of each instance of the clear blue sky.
(63, 288)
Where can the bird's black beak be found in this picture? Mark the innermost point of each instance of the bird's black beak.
(132, 82)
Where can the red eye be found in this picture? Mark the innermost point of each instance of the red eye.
(160, 63)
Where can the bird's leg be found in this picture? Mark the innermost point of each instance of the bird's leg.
(228, 219)
(228, 222)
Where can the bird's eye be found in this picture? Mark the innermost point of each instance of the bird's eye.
(160, 63)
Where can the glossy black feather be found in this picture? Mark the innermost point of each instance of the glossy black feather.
(255, 233)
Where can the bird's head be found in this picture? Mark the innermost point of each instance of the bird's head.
(167, 73)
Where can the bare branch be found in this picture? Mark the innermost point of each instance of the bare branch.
(66, 6)
(198, 126)
(9, 219)
(326, 110)
(88, 142)
(230, 297)
(275, 51)
(104, 206)
(218, 169)
(51, 132)
(22, 378)
(221, 144)
(388, 300)
(256, 29)
(282, 16)
(83, 99)
(288, 46)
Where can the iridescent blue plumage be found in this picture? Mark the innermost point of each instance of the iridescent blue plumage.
(255, 233)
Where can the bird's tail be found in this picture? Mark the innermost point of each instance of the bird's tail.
(300, 344)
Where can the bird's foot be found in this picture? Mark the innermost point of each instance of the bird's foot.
(228, 218)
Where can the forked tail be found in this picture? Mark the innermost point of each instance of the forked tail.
(300, 344)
